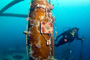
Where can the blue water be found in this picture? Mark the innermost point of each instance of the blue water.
(68, 13)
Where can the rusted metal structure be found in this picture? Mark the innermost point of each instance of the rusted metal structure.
(39, 34)
(39, 31)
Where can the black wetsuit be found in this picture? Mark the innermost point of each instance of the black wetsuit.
(68, 36)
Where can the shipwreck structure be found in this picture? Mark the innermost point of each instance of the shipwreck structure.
(39, 32)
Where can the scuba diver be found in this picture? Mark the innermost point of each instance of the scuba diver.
(68, 36)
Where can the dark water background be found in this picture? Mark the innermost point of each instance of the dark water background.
(68, 13)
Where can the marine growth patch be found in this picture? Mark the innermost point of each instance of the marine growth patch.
(46, 27)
